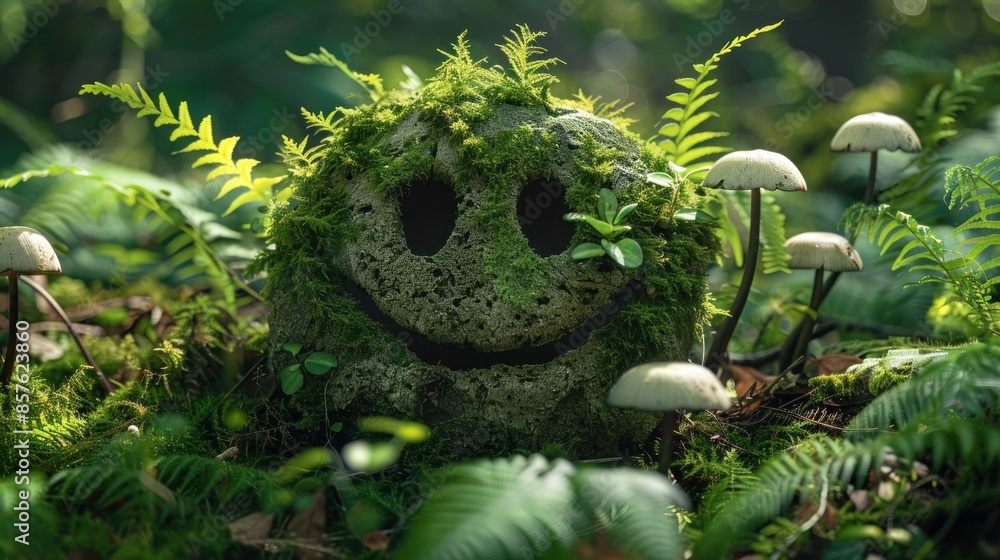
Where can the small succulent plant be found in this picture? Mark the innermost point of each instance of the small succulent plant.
(625, 252)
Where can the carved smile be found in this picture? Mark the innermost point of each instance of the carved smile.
(461, 359)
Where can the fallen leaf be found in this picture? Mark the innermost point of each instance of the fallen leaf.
(307, 527)
(251, 529)
(835, 363)
(745, 377)
(376, 540)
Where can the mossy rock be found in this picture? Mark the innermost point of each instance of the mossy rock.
(427, 251)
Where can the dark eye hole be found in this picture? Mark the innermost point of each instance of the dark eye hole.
(540, 209)
(429, 210)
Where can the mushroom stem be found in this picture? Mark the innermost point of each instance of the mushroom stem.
(40, 290)
(718, 351)
(809, 321)
(667, 441)
(870, 191)
(8, 361)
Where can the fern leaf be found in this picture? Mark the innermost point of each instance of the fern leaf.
(532, 508)
(372, 83)
(965, 382)
(514, 508)
(793, 474)
(681, 122)
(220, 155)
(520, 48)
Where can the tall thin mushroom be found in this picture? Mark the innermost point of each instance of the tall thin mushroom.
(869, 132)
(872, 132)
(819, 251)
(22, 251)
(748, 170)
(668, 387)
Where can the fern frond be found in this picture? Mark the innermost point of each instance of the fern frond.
(323, 121)
(301, 161)
(936, 121)
(681, 143)
(924, 251)
(965, 382)
(372, 83)
(979, 187)
(943, 103)
(612, 110)
(532, 508)
(159, 204)
(521, 49)
(795, 474)
(772, 229)
(240, 172)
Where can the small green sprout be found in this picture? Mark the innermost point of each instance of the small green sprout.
(316, 363)
(672, 179)
(625, 252)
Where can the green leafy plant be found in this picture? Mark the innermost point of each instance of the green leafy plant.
(938, 414)
(970, 268)
(193, 238)
(688, 147)
(682, 144)
(316, 363)
(625, 252)
(937, 124)
(259, 190)
(530, 507)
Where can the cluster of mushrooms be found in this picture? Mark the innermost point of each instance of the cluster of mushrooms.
(669, 387)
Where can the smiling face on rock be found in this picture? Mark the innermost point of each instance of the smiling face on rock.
(428, 252)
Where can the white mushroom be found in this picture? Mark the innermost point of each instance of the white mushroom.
(872, 132)
(822, 250)
(819, 251)
(749, 170)
(22, 251)
(668, 387)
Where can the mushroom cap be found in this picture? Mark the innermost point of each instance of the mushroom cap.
(25, 251)
(817, 248)
(871, 132)
(754, 169)
(664, 386)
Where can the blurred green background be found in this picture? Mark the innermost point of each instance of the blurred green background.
(787, 91)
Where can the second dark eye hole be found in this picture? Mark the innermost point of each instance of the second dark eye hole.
(540, 209)
(429, 210)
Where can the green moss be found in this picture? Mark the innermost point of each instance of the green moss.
(849, 384)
